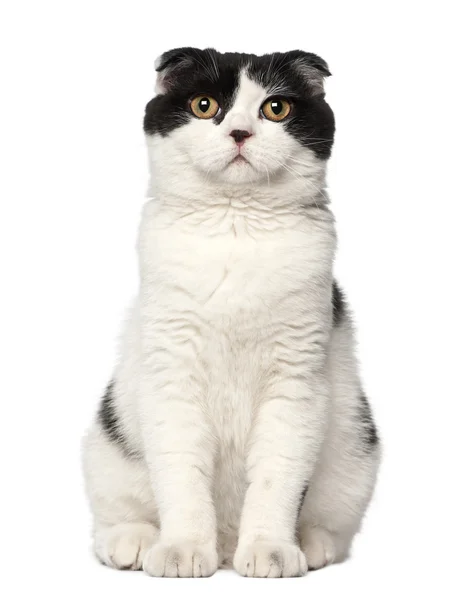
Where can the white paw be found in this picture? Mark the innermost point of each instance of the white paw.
(269, 559)
(318, 547)
(124, 546)
(181, 560)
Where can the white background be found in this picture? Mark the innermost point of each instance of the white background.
(75, 77)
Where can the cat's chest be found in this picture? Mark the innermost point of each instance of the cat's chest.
(230, 277)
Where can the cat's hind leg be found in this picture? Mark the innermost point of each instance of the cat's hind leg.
(344, 479)
(332, 513)
(335, 503)
(118, 486)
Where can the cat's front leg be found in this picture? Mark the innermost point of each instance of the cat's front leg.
(179, 448)
(286, 440)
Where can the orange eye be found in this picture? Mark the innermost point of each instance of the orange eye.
(276, 109)
(204, 107)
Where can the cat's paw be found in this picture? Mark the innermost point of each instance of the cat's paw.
(124, 546)
(318, 546)
(181, 560)
(269, 559)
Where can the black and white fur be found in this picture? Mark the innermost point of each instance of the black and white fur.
(235, 429)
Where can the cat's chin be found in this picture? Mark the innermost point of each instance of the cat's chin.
(239, 160)
(236, 170)
(239, 170)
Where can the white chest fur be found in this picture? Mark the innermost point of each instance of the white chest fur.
(223, 304)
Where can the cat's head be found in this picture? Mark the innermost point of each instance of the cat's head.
(239, 118)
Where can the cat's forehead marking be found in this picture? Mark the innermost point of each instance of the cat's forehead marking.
(246, 103)
(248, 91)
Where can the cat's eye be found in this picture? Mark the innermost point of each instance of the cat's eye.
(204, 107)
(276, 109)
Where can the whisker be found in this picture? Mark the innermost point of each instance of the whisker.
(214, 63)
(198, 59)
(303, 180)
(267, 175)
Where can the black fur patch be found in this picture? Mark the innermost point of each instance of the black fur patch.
(110, 422)
(368, 428)
(338, 304)
(190, 71)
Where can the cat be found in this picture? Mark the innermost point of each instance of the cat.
(235, 430)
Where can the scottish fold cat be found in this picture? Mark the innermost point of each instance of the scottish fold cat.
(235, 430)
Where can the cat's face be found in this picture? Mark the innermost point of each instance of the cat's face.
(240, 118)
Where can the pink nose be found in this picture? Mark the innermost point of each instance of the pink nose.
(240, 135)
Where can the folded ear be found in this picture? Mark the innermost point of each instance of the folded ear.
(170, 65)
(314, 70)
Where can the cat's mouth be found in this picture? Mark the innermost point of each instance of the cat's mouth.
(239, 159)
